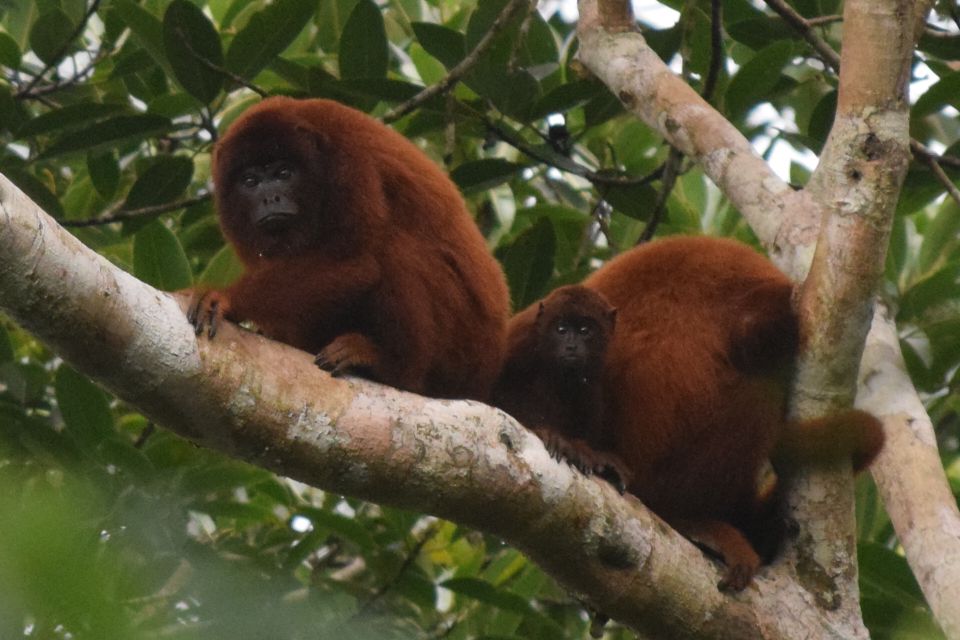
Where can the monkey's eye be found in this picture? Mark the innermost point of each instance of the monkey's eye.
(285, 172)
(249, 180)
(562, 328)
(584, 329)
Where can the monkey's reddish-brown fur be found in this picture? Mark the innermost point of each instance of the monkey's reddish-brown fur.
(696, 380)
(391, 277)
(562, 404)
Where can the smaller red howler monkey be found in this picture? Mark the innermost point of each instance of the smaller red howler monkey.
(356, 247)
(552, 375)
(695, 387)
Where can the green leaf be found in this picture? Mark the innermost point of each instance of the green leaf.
(158, 258)
(267, 34)
(224, 268)
(944, 92)
(146, 28)
(349, 528)
(757, 77)
(363, 43)
(68, 117)
(479, 175)
(939, 236)
(566, 97)
(83, 405)
(193, 48)
(760, 32)
(50, 34)
(104, 173)
(9, 52)
(528, 263)
(108, 133)
(634, 200)
(446, 45)
(163, 181)
(36, 189)
(485, 592)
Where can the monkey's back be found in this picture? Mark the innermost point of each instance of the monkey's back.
(693, 386)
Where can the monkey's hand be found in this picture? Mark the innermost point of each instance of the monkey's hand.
(577, 453)
(207, 310)
(349, 353)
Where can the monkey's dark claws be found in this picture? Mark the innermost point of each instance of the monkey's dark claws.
(205, 312)
(736, 578)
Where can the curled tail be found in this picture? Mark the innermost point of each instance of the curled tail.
(852, 433)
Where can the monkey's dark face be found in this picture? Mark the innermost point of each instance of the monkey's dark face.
(268, 193)
(574, 343)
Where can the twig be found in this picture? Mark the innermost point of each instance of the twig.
(463, 67)
(243, 82)
(595, 177)
(407, 562)
(932, 161)
(716, 49)
(671, 169)
(142, 212)
(81, 27)
(803, 27)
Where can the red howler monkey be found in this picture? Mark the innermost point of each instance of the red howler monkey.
(356, 247)
(696, 382)
(551, 378)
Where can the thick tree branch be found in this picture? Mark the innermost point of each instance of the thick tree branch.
(650, 90)
(268, 404)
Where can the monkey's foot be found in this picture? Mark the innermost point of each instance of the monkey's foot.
(349, 353)
(207, 310)
(580, 455)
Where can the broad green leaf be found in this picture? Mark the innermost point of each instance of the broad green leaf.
(566, 97)
(331, 17)
(38, 190)
(479, 175)
(9, 52)
(444, 44)
(939, 235)
(68, 117)
(267, 34)
(223, 269)
(158, 258)
(945, 92)
(756, 78)
(634, 200)
(147, 29)
(760, 32)
(528, 263)
(363, 43)
(108, 133)
(51, 34)
(163, 181)
(192, 46)
(84, 406)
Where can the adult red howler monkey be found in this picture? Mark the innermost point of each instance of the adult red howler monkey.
(356, 247)
(695, 390)
(552, 377)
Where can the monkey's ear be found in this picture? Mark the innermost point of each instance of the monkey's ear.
(612, 315)
(540, 310)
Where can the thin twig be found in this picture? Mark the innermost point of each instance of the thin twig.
(463, 67)
(564, 163)
(932, 161)
(716, 49)
(142, 212)
(243, 82)
(81, 27)
(671, 169)
(803, 27)
(407, 562)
